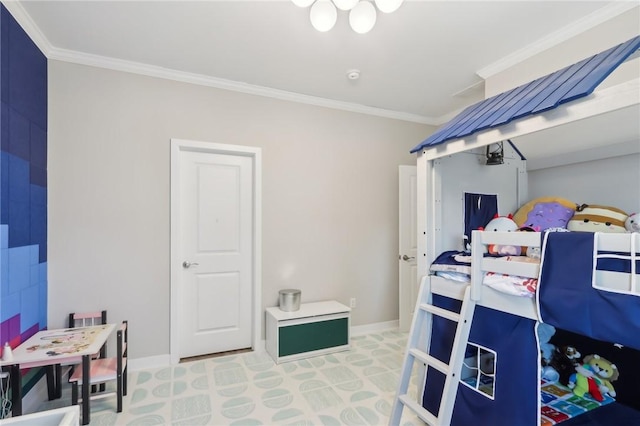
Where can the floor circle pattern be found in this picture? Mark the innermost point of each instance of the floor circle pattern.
(354, 387)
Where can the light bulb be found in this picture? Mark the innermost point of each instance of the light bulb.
(302, 3)
(323, 15)
(362, 18)
(388, 6)
(345, 4)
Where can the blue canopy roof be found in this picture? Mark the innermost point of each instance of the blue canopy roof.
(545, 93)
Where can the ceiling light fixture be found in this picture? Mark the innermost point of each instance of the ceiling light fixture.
(323, 15)
(362, 13)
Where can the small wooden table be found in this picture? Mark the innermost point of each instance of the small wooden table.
(51, 347)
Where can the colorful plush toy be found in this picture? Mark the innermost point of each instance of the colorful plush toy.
(596, 218)
(632, 224)
(545, 212)
(502, 224)
(564, 360)
(594, 377)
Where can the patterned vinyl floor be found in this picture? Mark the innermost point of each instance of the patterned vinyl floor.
(354, 387)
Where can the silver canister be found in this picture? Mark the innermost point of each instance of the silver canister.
(289, 299)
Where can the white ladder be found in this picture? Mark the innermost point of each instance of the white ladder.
(418, 349)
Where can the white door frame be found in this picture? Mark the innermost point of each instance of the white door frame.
(408, 283)
(177, 146)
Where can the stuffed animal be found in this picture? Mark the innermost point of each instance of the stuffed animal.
(533, 252)
(564, 360)
(605, 370)
(595, 218)
(545, 333)
(545, 212)
(594, 377)
(632, 224)
(502, 224)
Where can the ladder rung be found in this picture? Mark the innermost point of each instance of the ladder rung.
(450, 315)
(425, 415)
(429, 360)
(421, 337)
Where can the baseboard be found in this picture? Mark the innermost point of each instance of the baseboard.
(160, 361)
(150, 362)
(375, 327)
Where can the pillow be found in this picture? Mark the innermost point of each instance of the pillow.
(595, 218)
(452, 261)
(545, 212)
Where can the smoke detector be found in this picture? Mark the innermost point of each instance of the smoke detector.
(353, 74)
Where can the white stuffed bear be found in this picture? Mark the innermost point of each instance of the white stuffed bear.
(632, 224)
(502, 224)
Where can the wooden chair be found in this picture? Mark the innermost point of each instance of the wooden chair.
(103, 370)
(54, 372)
(88, 319)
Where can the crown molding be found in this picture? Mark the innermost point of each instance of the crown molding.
(33, 31)
(220, 83)
(22, 17)
(51, 52)
(596, 18)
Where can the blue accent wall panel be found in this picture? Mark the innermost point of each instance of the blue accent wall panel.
(18, 223)
(18, 180)
(19, 133)
(19, 269)
(4, 134)
(4, 236)
(29, 305)
(4, 55)
(38, 147)
(10, 306)
(27, 69)
(4, 191)
(23, 184)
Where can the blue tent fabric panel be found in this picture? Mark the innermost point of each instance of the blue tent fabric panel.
(443, 332)
(566, 275)
(517, 377)
(542, 94)
(516, 382)
(479, 209)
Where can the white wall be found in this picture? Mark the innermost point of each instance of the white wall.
(610, 182)
(330, 199)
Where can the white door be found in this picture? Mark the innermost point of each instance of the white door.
(213, 263)
(408, 245)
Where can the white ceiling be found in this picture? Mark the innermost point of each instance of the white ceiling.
(413, 63)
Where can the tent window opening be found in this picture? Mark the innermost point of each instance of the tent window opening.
(478, 371)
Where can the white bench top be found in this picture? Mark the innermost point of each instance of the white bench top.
(306, 310)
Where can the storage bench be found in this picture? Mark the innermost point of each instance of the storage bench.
(315, 329)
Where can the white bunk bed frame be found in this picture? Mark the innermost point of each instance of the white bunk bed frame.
(476, 293)
(623, 97)
(605, 101)
(488, 297)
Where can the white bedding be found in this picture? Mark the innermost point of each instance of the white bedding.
(457, 267)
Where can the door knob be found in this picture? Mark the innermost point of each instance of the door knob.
(186, 264)
(407, 258)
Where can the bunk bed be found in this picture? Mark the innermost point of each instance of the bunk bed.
(604, 282)
(481, 350)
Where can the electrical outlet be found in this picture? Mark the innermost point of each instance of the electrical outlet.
(352, 302)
